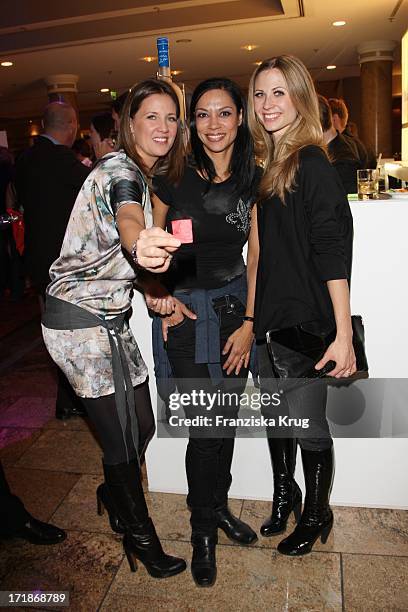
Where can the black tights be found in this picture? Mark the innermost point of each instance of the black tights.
(103, 414)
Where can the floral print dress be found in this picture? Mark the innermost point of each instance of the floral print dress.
(93, 272)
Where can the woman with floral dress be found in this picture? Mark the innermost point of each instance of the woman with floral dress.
(85, 325)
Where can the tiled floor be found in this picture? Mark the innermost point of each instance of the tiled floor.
(55, 467)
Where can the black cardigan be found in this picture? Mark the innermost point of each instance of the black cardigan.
(303, 244)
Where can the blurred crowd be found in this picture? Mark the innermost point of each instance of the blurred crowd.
(38, 188)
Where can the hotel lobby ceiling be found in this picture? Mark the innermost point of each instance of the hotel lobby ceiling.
(103, 41)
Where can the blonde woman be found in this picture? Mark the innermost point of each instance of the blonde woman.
(305, 236)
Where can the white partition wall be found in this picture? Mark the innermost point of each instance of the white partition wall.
(369, 472)
(404, 65)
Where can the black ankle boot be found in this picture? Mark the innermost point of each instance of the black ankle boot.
(287, 496)
(140, 540)
(105, 501)
(317, 518)
(203, 563)
(235, 529)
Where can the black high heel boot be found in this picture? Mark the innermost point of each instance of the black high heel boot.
(287, 496)
(317, 517)
(140, 540)
(203, 563)
(104, 501)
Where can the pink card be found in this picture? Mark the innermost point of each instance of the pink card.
(183, 230)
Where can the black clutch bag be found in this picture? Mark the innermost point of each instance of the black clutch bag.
(294, 351)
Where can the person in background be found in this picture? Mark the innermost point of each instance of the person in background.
(86, 320)
(102, 134)
(340, 119)
(48, 179)
(305, 243)
(117, 107)
(17, 522)
(342, 152)
(6, 176)
(83, 152)
(351, 129)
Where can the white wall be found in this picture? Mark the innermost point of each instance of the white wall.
(369, 472)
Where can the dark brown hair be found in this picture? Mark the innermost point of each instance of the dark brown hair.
(103, 124)
(325, 113)
(338, 107)
(172, 164)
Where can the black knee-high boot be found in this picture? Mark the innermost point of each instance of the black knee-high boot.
(104, 500)
(287, 496)
(140, 540)
(317, 517)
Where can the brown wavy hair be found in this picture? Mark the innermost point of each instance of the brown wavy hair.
(281, 161)
(170, 165)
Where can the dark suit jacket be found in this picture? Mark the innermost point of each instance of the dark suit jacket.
(48, 179)
(344, 157)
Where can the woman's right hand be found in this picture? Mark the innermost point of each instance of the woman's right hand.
(154, 249)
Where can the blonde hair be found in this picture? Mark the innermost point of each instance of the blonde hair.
(281, 161)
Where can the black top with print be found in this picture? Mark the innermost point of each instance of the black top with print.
(221, 223)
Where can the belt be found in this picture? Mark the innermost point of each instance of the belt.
(60, 314)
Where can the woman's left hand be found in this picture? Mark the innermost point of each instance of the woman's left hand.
(340, 351)
(160, 301)
(239, 347)
(180, 312)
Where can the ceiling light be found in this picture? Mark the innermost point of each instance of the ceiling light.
(148, 58)
(249, 47)
(258, 63)
(338, 24)
(176, 72)
(104, 90)
(6, 64)
(331, 67)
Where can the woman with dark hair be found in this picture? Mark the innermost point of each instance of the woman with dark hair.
(214, 199)
(117, 107)
(305, 240)
(85, 325)
(102, 134)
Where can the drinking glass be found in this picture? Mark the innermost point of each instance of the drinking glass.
(382, 179)
(367, 184)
